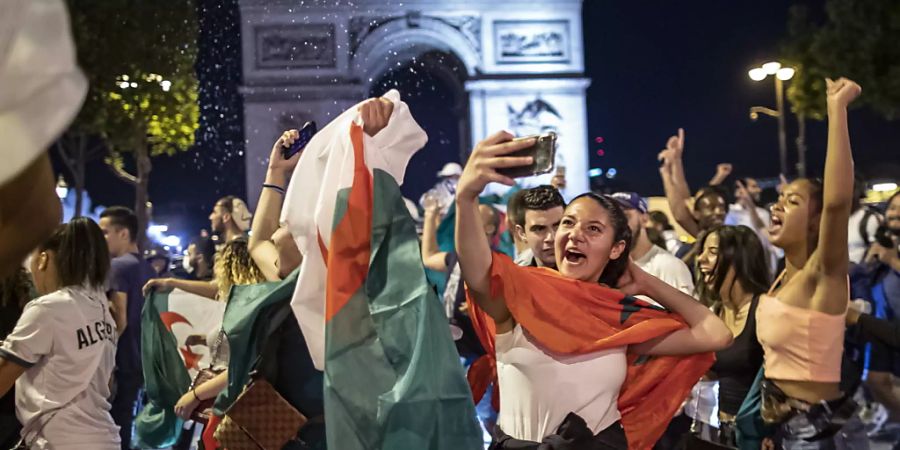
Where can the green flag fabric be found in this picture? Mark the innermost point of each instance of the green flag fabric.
(167, 319)
(393, 379)
(251, 323)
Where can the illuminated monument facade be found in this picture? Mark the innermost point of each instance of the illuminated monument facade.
(522, 66)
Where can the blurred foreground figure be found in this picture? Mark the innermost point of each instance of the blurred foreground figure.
(41, 90)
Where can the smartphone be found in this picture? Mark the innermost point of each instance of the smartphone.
(883, 237)
(306, 134)
(544, 153)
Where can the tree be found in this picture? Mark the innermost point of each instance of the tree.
(857, 39)
(142, 102)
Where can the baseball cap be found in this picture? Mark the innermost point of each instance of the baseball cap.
(631, 200)
(450, 170)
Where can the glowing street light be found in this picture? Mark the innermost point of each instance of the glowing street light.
(757, 74)
(771, 68)
(62, 188)
(785, 73)
(781, 74)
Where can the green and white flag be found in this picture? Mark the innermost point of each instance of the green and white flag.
(393, 379)
(167, 319)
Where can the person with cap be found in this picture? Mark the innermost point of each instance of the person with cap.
(41, 91)
(651, 258)
(445, 189)
(160, 260)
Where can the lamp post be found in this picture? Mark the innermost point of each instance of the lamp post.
(62, 188)
(781, 74)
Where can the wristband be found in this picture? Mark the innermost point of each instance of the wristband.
(275, 188)
(194, 391)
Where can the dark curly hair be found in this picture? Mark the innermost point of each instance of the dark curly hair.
(540, 198)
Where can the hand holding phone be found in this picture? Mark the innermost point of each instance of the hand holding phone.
(306, 134)
(543, 154)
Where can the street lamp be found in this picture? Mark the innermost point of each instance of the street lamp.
(781, 74)
(62, 189)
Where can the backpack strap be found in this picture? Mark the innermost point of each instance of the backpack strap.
(863, 229)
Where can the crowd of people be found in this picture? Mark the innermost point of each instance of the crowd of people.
(582, 324)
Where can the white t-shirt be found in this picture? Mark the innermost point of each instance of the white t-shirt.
(668, 268)
(855, 243)
(737, 215)
(525, 258)
(539, 388)
(67, 342)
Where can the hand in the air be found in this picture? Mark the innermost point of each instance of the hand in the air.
(842, 92)
(375, 113)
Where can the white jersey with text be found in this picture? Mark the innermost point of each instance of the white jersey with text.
(66, 340)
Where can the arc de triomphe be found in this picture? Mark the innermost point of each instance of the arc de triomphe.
(310, 60)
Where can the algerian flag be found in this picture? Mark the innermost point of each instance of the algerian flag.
(393, 379)
(167, 319)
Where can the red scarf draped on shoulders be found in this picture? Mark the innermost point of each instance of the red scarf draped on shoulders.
(575, 317)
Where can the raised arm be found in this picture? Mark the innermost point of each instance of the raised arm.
(837, 194)
(723, 170)
(208, 289)
(472, 246)
(432, 256)
(675, 183)
(705, 332)
(268, 209)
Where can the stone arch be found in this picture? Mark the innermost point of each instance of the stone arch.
(312, 61)
(399, 41)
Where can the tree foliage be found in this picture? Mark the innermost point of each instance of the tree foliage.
(857, 39)
(139, 58)
(141, 43)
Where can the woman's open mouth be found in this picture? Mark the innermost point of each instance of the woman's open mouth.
(574, 257)
(776, 225)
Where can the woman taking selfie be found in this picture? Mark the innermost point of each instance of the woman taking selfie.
(605, 351)
(62, 351)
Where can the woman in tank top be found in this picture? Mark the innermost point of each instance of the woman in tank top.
(577, 361)
(732, 274)
(62, 351)
(801, 321)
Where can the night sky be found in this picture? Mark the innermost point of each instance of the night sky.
(655, 66)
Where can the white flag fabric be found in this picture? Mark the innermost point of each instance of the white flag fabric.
(325, 168)
(41, 87)
(189, 314)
